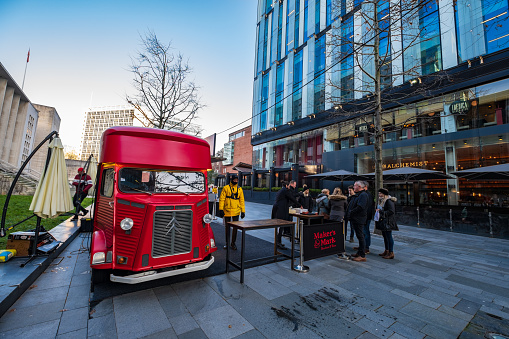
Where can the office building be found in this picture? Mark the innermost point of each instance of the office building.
(97, 120)
(459, 123)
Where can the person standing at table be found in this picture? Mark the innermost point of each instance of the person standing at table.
(280, 210)
(338, 205)
(231, 206)
(323, 203)
(305, 199)
(357, 213)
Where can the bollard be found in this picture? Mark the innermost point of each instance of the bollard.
(418, 223)
(450, 217)
(491, 225)
(301, 267)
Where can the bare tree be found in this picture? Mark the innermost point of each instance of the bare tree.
(379, 63)
(166, 98)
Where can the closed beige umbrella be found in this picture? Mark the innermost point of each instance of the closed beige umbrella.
(52, 196)
(92, 171)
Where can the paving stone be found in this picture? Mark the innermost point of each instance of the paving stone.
(73, 320)
(435, 317)
(197, 296)
(253, 334)
(31, 297)
(81, 279)
(405, 331)
(416, 298)
(173, 307)
(197, 333)
(45, 330)
(102, 327)
(440, 332)
(78, 297)
(163, 292)
(168, 333)
(495, 312)
(439, 297)
(467, 306)
(183, 323)
(265, 286)
(226, 286)
(101, 308)
(376, 329)
(17, 318)
(481, 285)
(229, 325)
(455, 313)
(79, 334)
(144, 305)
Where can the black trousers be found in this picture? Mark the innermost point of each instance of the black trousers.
(359, 232)
(77, 200)
(233, 231)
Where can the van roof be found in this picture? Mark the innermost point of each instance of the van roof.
(152, 146)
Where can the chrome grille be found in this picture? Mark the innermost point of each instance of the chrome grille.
(172, 232)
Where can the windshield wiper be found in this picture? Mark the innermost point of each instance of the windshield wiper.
(176, 190)
(135, 189)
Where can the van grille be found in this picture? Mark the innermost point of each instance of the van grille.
(172, 232)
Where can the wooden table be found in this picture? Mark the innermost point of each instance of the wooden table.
(248, 225)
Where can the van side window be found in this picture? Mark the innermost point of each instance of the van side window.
(108, 180)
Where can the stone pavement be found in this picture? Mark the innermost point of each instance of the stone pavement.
(440, 285)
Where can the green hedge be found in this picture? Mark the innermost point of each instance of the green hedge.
(261, 189)
(246, 188)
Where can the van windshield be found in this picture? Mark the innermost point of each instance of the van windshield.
(150, 181)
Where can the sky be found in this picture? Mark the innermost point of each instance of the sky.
(80, 53)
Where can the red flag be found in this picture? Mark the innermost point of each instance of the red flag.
(28, 56)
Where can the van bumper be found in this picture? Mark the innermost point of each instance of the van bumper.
(153, 275)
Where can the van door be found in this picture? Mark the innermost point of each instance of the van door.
(105, 210)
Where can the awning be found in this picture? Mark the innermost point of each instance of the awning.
(496, 172)
(339, 175)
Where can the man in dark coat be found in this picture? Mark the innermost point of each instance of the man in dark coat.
(357, 214)
(284, 199)
(370, 213)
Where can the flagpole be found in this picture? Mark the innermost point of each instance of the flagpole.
(28, 57)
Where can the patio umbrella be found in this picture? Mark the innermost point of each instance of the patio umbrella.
(52, 196)
(410, 174)
(339, 175)
(496, 172)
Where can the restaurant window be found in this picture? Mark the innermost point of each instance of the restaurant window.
(347, 133)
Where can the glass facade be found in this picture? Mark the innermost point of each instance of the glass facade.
(481, 27)
(461, 129)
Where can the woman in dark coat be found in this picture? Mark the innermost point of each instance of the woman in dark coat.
(280, 209)
(387, 221)
(338, 205)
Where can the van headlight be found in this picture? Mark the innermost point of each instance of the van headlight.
(98, 258)
(126, 224)
(207, 218)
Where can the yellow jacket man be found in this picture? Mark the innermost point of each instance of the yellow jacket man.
(231, 206)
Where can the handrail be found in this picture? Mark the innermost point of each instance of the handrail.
(11, 189)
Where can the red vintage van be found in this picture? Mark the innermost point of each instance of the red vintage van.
(151, 212)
